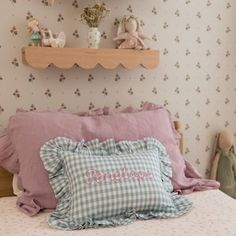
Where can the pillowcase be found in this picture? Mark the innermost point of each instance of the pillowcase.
(28, 131)
(8, 155)
(109, 183)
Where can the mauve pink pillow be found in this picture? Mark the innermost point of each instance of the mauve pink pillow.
(28, 131)
(8, 155)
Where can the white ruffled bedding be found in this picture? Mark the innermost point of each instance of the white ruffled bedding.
(214, 213)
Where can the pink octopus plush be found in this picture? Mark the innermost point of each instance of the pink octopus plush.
(129, 35)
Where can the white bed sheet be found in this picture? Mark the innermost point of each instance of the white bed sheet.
(214, 213)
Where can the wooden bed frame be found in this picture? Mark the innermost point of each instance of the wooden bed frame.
(5, 183)
(6, 177)
(181, 141)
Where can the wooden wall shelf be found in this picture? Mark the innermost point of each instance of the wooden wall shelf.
(65, 58)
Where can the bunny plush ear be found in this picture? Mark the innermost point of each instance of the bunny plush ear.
(232, 149)
(121, 27)
(215, 146)
(51, 2)
(138, 25)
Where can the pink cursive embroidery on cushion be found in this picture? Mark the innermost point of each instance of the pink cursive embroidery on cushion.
(122, 174)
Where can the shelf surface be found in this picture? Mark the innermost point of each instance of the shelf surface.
(65, 58)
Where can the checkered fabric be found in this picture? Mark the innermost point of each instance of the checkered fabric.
(109, 183)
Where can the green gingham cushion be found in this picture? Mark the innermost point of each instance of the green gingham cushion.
(109, 183)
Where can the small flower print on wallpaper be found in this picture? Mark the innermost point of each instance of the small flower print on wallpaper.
(195, 79)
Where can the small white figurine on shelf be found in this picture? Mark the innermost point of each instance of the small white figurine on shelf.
(129, 35)
(53, 40)
(34, 29)
(45, 37)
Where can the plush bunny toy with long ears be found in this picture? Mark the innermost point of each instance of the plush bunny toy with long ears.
(129, 34)
(224, 163)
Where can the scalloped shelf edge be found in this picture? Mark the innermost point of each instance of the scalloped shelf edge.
(66, 58)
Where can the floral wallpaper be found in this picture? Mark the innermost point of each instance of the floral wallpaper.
(195, 79)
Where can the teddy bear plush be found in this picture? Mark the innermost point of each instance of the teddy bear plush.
(224, 164)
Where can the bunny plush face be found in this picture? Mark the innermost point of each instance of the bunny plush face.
(226, 140)
(131, 25)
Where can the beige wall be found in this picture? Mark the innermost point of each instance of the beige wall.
(195, 80)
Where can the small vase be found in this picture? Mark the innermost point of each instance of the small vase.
(94, 38)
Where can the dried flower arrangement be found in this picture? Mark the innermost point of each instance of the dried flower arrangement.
(93, 15)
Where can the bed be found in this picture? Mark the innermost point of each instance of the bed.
(213, 213)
